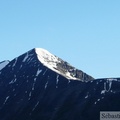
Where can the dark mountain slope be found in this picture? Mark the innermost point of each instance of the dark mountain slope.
(33, 90)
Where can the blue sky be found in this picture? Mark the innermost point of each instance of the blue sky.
(86, 33)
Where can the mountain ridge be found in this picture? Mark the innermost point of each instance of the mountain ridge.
(32, 91)
(61, 67)
(3, 64)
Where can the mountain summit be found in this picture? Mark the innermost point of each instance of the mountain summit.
(38, 85)
(61, 67)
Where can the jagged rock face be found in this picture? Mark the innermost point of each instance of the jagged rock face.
(30, 90)
(61, 67)
(78, 74)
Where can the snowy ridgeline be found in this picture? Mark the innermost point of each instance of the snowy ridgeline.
(3, 64)
(51, 61)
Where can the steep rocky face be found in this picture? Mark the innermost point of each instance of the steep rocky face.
(61, 67)
(32, 89)
(65, 67)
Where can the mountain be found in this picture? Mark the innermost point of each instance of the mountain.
(40, 86)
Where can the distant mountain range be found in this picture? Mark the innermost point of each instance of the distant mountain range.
(38, 85)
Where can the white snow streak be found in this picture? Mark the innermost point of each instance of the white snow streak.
(27, 55)
(45, 72)
(33, 87)
(97, 100)
(20, 66)
(35, 106)
(15, 62)
(46, 84)
(95, 103)
(38, 72)
(86, 96)
(69, 81)
(57, 79)
(29, 95)
(14, 80)
(3, 64)
(6, 99)
(108, 85)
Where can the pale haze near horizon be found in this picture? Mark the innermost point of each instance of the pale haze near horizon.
(84, 33)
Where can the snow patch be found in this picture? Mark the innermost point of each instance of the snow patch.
(6, 99)
(69, 81)
(95, 103)
(98, 100)
(112, 79)
(86, 96)
(46, 85)
(33, 87)
(57, 79)
(35, 106)
(38, 72)
(108, 85)
(25, 58)
(15, 62)
(103, 92)
(14, 80)
(45, 72)
(30, 93)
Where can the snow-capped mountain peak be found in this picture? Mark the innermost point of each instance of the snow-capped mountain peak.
(54, 63)
(35, 86)
(47, 58)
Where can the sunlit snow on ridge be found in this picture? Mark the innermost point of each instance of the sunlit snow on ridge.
(51, 61)
(3, 64)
